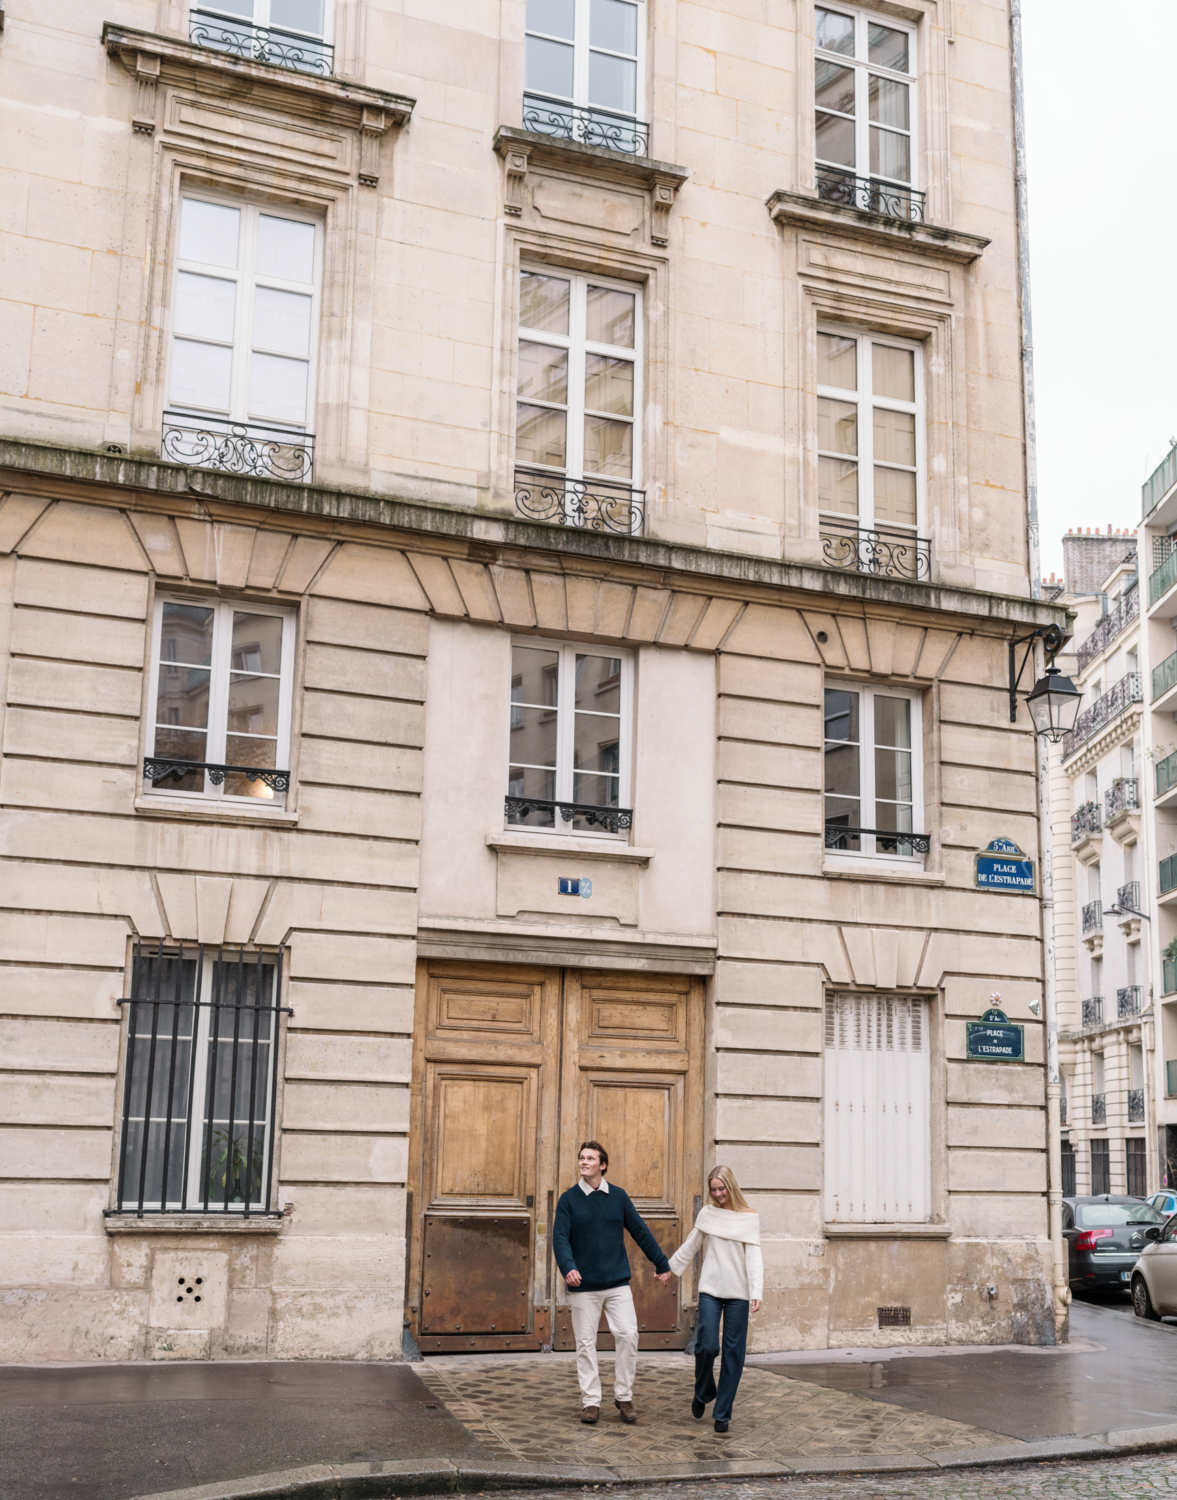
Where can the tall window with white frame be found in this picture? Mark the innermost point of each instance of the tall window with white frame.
(584, 70)
(285, 33)
(865, 95)
(245, 318)
(870, 441)
(570, 731)
(222, 673)
(578, 440)
(199, 1081)
(873, 791)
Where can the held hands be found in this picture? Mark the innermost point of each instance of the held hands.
(664, 1278)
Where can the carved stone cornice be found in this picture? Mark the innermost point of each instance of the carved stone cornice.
(523, 149)
(804, 211)
(152, 60)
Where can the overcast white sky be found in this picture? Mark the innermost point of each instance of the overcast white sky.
(1103, 252)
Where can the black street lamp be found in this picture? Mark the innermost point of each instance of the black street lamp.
(1054, 699)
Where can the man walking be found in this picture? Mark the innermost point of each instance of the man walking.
(588, 1241)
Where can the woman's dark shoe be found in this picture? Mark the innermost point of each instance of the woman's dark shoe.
(721, 1426)
(697, 1408)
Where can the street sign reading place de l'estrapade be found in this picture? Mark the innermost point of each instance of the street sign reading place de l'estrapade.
(1004, 868)
(995, 1038)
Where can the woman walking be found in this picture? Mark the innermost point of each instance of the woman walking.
(731, 1285)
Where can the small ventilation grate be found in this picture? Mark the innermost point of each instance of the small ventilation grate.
(894, 1317)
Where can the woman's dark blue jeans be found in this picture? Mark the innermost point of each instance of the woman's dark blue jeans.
(735, 1338)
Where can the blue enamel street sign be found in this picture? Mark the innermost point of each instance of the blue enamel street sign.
(995, 1038)
(1003, 867)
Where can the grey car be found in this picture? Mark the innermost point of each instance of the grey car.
(1154, 1277)
(1105, 1236)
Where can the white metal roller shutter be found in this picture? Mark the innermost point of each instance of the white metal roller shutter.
(877, 1088)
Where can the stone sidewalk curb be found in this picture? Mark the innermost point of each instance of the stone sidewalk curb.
(375, 1481)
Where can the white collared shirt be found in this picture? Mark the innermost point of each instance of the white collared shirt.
(586, 1190)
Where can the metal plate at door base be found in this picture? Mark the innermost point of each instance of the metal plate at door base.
(476, 1276)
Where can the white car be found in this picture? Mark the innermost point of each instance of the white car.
(1154, 1278)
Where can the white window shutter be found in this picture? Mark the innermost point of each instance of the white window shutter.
(877, 1110)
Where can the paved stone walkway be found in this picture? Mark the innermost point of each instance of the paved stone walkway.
(1148, 1478)
(531, 1411)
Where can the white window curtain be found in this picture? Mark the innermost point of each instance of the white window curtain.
(877, 1110)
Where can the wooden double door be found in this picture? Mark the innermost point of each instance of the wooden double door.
(513, 1068)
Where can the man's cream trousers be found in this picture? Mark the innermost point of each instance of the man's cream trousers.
(622, 1318)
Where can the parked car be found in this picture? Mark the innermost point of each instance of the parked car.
(1105, 1236)
(1164, 1202)
(1154, 1279)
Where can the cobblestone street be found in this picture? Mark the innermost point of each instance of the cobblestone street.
(1150, 1475)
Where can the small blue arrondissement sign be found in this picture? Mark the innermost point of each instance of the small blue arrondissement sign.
(995, 1038)
(1003, 867)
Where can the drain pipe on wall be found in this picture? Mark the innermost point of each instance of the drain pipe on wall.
(1061, 1287)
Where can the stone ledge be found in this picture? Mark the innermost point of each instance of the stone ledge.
(470, 533)
(130, 1223)
(887, 1231)
(536, 843)
(804, 211)
(553, 150)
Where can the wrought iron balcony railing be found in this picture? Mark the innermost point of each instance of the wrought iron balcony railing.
(1135, 1106)
(885, 551)
(1085, 822)
(265, 44)
(159, 768)
(1093, 917)
(1128, 1002)
(1101, 713)
(1092, 1012)
(1164, 677)
(1109, 628)
(871, 195)
(256, 449)
(1062, 1110)
(590, 504)
(1099, 1109)
(612, 819)
(1120, 798)
(1167, 875)
(1128, 896)
(589, 127)
(887, 840)
(1164, 574)
(1166, 774)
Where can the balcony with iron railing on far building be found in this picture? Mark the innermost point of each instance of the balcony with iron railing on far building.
(1085, 823)
(1128, 1002)
(604, 129)
(871, 195)
(275, 45)
(1121, 696)
(1135, 1106)
(1091, 1012)
(1119, 800)
(1092, 917)
(1099, 1109)
(1110, 627)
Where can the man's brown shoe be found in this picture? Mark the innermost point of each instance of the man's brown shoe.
(590, 1414)
(626, 1409)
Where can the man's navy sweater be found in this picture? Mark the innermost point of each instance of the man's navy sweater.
(588, 1236)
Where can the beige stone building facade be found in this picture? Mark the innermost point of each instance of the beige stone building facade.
(513, 517)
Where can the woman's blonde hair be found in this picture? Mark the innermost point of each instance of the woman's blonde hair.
(735, 1199)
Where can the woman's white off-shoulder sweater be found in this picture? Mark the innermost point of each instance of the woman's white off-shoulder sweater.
(732, 1263)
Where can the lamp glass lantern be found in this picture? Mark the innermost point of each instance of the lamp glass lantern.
(1054, 705)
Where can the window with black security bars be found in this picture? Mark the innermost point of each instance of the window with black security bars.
(1101, 1168)
(1136, 1162)
(199, 1081)
(1068, 1169)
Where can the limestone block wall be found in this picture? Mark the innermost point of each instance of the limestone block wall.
(89, 865)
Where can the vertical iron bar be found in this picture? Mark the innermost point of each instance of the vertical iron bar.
(167, 1138)
(257, 1011)
(233, 1068)
(214, 1027)
(150, 1078)
(273, 1098)
(128, 1078)
(188, 1134)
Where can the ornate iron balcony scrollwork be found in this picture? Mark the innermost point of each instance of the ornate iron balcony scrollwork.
(255, 449)
(589, 127)
(1085, 822)
(887, 840)
(1128, 1002)
(589, 504)
(1135, 1106)
(891, 200)
(1121, 696)
(265, 44)
(885, 551)
(612, 819)
(1093, 917)
(1092, 1012)
(1109, 628)
(157, 768)
(1119, 799)
(1099, 1109)
(1128, 896)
